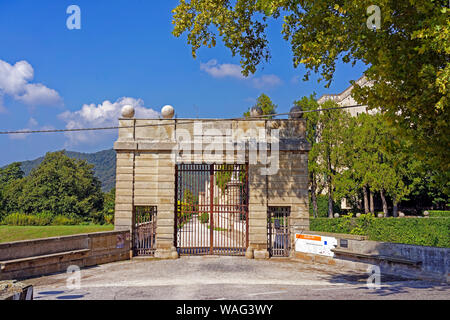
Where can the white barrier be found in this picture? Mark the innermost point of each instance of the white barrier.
(315, 244)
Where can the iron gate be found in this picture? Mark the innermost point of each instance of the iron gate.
(278, 234)
(144, 231)
(211, 209)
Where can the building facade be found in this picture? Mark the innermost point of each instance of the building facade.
(345, 98)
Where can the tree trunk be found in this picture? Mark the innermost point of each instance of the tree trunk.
(383, 199)
(330, 198)
(394, 207)
(330, 202)
(366, 200)
(313, 195)
(330, 189)
(372, 210)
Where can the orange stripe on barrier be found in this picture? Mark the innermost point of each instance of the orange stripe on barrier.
(308, 237)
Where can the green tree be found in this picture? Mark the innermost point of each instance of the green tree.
(109, 202)
(266, 105)
(361, 157)
(426, 191)
(312, 135)
(10, 173)
(376, 161)
(189, 197)
(327, 151)
(225, 172)
(348, 180)
(63, 186)
(407, 58)
(396, 169)
(10, 183)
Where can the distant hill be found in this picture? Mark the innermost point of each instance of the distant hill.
(104, 165)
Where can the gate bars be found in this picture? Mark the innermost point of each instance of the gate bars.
(211, 209)
(144, 231)
(278, 234)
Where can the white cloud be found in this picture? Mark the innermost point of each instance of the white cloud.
(216, 70)
(266, 81)
(14, 78)
(32, 124)
(15, 82)
(295, 79)
(2, 108)
(38, 94)
(222, 70)
(105, 114)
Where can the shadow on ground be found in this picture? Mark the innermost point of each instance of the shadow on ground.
(389, 284)
(60, 295)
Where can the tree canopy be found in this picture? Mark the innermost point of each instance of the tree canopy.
(59, 185)
(407, 57)
(358, 157)
(266, 105)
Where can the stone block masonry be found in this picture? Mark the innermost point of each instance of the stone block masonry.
(23, 259)
(276, 152)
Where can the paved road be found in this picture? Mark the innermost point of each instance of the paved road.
(228, 278)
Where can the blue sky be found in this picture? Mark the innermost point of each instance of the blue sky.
(53, 77)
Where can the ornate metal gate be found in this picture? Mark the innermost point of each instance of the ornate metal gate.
(144, 232)
(211, 209)
(278, 235)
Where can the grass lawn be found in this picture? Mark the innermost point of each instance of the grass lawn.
(16, 233)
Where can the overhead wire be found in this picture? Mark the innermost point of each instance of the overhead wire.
(187, 121)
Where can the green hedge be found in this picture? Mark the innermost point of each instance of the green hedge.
(438, 214)
(322, 206)
(40, 219)
(204, 217)
(418, 231)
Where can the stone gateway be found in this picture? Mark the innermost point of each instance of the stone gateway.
(220, 183)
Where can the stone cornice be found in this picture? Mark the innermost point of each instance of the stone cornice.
(289, 144)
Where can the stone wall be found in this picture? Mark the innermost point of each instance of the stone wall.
(149, 149)
(21, 259)
(434, 261)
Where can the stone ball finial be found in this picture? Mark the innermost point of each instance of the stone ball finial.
(256, 112)
(295, 113)
(167, 112)
(127, 111)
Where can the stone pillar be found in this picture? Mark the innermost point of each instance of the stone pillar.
(124, 204)
(125, 146)
(165, 231)
(257, 223)
(123, 217)
(300, 203)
